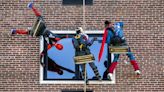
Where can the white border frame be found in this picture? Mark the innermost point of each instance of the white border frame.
(42, 81)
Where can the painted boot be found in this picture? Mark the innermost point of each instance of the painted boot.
(111, 69)
(136, 67)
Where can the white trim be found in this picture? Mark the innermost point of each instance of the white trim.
(74, 81)
(73, 31)
(71, 81)
(41, 68)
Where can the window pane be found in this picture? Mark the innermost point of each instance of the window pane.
(77, 2)
(76, 91)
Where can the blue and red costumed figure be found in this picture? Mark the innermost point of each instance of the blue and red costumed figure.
(113, 35)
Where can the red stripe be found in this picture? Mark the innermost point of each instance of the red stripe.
(112, 67)
(21, 31)
(102, 45)
(135, 65)
(37, 13)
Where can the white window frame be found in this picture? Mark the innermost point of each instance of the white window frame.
(42, 81)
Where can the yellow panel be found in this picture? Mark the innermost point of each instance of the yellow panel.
(118, 49)
(84, 59)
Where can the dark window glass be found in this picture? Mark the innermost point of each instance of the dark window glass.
(77, 2)
(76, 91)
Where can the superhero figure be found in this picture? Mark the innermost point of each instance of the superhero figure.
(51, 40)
(81, 44)
(114, 36)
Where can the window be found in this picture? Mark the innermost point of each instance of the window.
(76, 91)
(77, 2)
(64, 59)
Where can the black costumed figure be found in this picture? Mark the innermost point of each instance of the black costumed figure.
(51, 40)
(81, 45)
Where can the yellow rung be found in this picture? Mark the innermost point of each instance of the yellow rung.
(118, 49)
(84, 59)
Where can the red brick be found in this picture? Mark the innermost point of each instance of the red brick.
(144, 27)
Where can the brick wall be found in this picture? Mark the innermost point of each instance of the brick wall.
(144, 30)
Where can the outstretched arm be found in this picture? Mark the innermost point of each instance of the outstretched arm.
(19, 31)
(36, 12)
(90, 42)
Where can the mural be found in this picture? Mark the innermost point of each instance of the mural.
(67, 56)
(80, 56)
